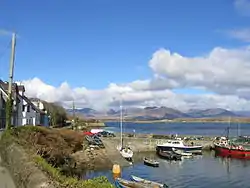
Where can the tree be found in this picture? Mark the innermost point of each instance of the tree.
(57, 114)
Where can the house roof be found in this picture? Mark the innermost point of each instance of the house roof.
(3, 90)
(32, 105)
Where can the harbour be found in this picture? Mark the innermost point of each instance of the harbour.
(202, 171)
(194, 171)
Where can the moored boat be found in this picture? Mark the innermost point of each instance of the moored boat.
(225, 148)
(126, 153)
(170, 155)
(148, 182)
(150, 162)
(182, 153)
(122, 183)
(177, 144)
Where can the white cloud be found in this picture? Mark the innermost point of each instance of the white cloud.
(224, 72)
(241, 34)
(243, 7)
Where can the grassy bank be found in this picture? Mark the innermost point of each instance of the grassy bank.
(51, 150)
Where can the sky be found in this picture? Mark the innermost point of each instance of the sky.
(179, 54)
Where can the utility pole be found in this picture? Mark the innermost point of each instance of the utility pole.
(9, 101)
(74, 116)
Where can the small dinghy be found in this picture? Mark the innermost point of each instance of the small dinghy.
(170, 155)
(182, 153)
(150, 162)
(122, 183)
(148, 182)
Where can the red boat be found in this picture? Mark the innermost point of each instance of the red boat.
(226, 149)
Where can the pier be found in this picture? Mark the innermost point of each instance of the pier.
(143, 143)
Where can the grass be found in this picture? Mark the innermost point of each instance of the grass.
(51, 150)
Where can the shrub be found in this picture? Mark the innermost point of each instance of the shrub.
(52, 149)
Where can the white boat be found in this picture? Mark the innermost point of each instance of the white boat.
(125, 151)
(148, 182)
(179, 145)
(182, 153)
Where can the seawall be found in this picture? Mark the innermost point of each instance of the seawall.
(145, 143)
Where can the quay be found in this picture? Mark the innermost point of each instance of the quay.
(148, 143)
(140, 144)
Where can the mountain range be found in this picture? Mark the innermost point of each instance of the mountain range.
(157, 113)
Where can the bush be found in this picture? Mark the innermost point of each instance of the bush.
(52, 149)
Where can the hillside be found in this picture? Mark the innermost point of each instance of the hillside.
(156, 113)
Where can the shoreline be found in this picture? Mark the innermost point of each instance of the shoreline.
(245, 121)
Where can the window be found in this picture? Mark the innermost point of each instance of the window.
(23, 108)
(28, 108)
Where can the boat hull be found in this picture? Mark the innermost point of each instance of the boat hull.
(184, 149)
(151, 163)
(148, 182)
(122, 183)
(233, 153)
(169, 155)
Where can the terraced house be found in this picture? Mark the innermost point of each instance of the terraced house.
(24, 112)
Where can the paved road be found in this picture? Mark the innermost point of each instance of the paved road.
(5, 178)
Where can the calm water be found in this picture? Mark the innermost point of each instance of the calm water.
(199, 172)
(216, 129)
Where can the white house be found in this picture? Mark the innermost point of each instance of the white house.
(24, 111)
(30, 113)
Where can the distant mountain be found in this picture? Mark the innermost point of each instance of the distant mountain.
(214, 112)
(86, 112)
(156, 113)
(243, 113)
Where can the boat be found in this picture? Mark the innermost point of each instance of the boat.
(150, 162)
(178, 144)
(225, 148)
(125, 151)
(170, 155)
(182, 153)
(148, 182)
(122, 183)
(231, 148)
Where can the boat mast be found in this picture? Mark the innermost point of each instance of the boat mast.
(121, 120)
(228, 127)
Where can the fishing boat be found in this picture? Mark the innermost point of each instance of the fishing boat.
(170, 155)
(182, 153)
(177, 144)
(225, 148)
(150, 162)
(125, 151)
(122, 183)
(148, 182)
(230, 148)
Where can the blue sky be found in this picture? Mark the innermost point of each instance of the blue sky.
(177, 53)
(92, 43)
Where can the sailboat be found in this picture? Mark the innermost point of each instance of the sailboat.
(125, 151)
